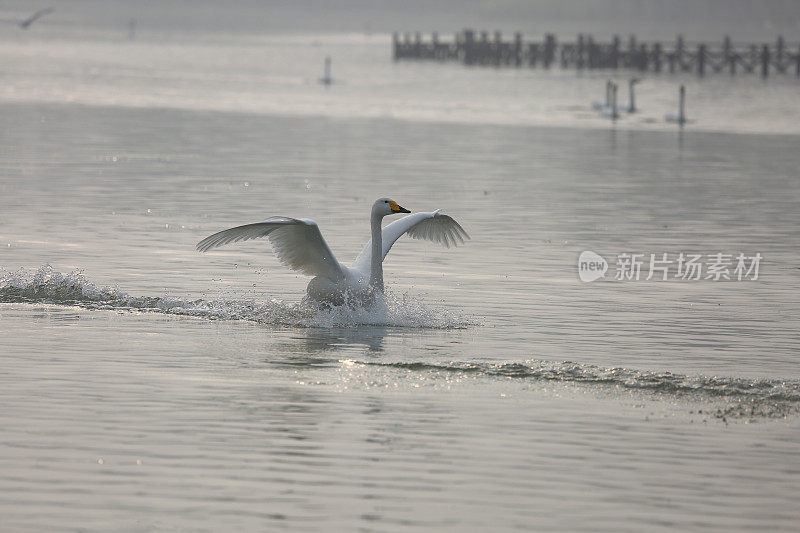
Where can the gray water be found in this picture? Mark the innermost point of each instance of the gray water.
(148, 387)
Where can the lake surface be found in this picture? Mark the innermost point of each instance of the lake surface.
(147, 387)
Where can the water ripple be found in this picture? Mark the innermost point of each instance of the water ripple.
(48, 285)
(742, 397)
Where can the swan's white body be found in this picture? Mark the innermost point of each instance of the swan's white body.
(630, 106)
(300, 246)
(679, 116)
(611, 111)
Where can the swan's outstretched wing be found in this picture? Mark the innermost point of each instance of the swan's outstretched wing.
(297, 243)
(433, 226)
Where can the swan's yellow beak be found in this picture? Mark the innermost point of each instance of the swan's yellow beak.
(397, 209)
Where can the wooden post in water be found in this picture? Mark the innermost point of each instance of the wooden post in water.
(549, 49)
(632, 49)
(586, 53)
(643, 57)
(797, 64)
(614, 59)
(727, 55)
(749, 67)
(533, 54)
(595, 54)
(701, 60)
(657, 57)
(469, 47)
(483, 48)
(566, 50)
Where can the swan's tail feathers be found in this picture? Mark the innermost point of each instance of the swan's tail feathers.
(441, 229)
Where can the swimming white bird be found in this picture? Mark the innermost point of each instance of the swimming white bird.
(629, 106)
(680, 115)
(326, 78)
(597, 105)
(300, 246)
(611, 111)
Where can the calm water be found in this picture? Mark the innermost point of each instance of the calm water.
(145, 386)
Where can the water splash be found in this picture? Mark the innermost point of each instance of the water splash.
(733, 397)
(48, 285)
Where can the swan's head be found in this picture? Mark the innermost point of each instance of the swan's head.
(634, 81)
(387, 206)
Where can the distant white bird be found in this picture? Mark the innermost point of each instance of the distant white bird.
(629, 106)
(24, 24)
(326, 78)
(611, 111)
(598, 105)
(299, 245)
(679, 116)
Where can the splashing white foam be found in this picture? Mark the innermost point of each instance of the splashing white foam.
(48, 285)
(393, 310)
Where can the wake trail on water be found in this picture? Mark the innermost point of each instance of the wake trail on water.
(49, 286)
(733, 397)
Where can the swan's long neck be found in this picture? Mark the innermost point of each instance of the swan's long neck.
(376, 263)
(614, 113)
(633, 102)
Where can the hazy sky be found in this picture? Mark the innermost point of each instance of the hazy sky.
(697, 19)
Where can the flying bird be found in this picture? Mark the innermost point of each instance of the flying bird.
(300, 246)
(36, 16)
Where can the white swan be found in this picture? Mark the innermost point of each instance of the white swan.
(299, 245)
(611, 111)
(679, 116)
(597, 105)
(629, 106)
(326, 78)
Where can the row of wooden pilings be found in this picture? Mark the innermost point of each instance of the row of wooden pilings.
(478, 48)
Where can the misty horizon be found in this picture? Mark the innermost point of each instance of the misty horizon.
(647, 19)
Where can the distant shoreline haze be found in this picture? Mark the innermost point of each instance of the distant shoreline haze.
(647, 19)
